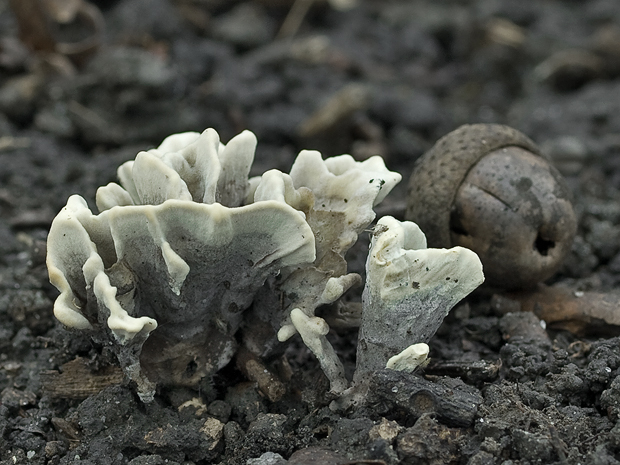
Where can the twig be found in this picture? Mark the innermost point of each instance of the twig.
(295, 17)
(10, 143)
(34, 28)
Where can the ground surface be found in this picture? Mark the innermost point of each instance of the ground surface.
(502, 390)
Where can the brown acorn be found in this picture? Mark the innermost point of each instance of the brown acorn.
(488, 188)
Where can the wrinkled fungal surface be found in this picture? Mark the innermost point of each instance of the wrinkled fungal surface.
(163, 258)
(188, 258)
(409, 291)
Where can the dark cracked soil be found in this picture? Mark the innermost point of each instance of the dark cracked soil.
(502, 388)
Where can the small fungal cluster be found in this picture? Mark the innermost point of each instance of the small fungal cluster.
(188, 259)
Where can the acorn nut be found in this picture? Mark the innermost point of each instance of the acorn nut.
(488, 188)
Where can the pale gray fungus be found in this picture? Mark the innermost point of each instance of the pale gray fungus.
(187, 251)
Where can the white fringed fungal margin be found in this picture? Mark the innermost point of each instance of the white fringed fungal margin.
(187, 251)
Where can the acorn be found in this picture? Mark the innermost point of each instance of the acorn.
(487, 187)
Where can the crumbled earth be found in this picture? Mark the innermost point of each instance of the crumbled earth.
(386, 77)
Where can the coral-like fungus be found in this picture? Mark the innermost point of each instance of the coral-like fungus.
(187, 251)
(409, 291)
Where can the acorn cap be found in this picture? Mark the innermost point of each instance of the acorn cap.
(438, 174)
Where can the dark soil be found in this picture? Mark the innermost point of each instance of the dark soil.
(501, 389)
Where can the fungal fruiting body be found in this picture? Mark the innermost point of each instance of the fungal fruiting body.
(186, 251)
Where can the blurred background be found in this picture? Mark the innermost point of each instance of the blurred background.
(85, 85)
